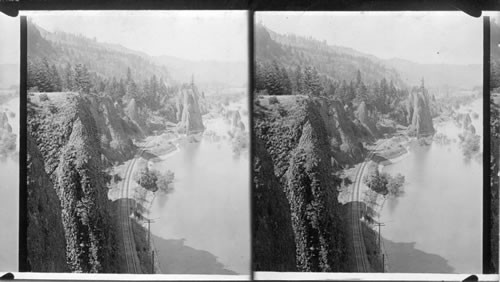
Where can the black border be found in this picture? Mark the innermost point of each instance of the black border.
(251, 67)
(487, 266)
(23, 191)
(474, 8)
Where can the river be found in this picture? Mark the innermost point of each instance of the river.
(203, 226)
(9, 196)
(437, 225)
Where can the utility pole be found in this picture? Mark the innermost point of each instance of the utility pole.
(149, 243)
(379, 244)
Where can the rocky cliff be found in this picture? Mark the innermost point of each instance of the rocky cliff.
(418, 113)
(114, 129)
(189, 113)
(299, 133)
(66, 134)
(4, 122)
(273, 238)
(367, 119)
(46, 250)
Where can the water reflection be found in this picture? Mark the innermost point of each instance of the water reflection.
(207, 214)
(440, 212)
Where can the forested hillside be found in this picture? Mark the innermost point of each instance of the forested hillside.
(289, 64)
(106, 60)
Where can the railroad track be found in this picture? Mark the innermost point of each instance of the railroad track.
(362, 264)
(131, 258)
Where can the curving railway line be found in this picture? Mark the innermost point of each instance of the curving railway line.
(132, 260)
(362, 264)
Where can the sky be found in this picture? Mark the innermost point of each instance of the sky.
(421, 37)
(194, 35)
(9, 39)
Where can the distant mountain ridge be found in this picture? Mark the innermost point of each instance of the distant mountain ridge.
(438, 75)
(208, 74)
(336, 62)
(106, 60)
(91, 52)
(341, 63)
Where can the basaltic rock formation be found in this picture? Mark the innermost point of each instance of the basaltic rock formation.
(189, 114)
(419, 113)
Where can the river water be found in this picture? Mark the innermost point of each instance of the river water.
(203, 226)
(437, 225)
(9, 196)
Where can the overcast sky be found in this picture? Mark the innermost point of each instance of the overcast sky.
(195, 35)
(9, 39)
(422, 37)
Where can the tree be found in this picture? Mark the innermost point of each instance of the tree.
(286, 84)
(378, 182)
(82, 79)
(55, 79)
(164, 181)
(147, 179)
(68, 81)
(395, 185)
(299, 80)
(312, 82)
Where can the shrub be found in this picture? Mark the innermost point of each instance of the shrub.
(43, 97)
(147, 179)
(273, 100)
(395, 185)
(383, 183)
(378, 182)
(164, 181)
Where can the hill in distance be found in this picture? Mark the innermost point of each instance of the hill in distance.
(341, 63)
(108, 60)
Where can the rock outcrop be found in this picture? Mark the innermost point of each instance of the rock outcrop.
(66, 134)
(419, 113)
(233, 117)
(298, 137)
(114, 129)
(46, 245)
(343, 134)
(367, 119)
(4, 122)
(189, 114)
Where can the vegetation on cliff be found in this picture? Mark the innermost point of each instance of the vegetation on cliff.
(273, 237)
(294, 134)
(45, 234)
(66, 135)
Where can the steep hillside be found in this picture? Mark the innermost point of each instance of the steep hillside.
(273, 237)
(67, 137)
(333, 62)
(106, 60)
(115, 130)
(295, 133)
(46, 250)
